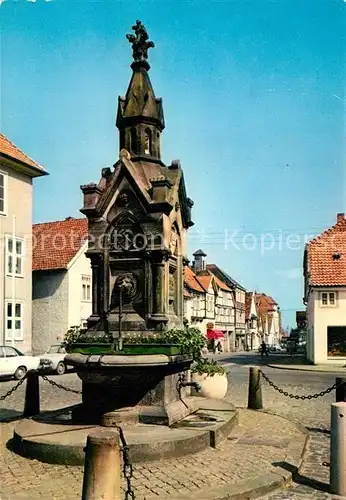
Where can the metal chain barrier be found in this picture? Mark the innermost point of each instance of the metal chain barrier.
(59, 386)
(12, 390)
(296, 396)
(127, 465)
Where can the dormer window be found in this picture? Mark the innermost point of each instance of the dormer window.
(147, 141)
(336, 256)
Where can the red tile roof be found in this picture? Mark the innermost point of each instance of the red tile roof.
(221, 284)
(326, 256)
(190, 280)
(8, 148)
(264, 303)
(56, 243)
(205, 280)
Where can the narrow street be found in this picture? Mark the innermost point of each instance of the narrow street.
(314, 414)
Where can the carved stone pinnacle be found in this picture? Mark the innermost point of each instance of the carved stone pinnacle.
(140, 43)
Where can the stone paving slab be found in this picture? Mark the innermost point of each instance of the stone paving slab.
(254, 451)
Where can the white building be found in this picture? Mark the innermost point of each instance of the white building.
(253, 336)
(17, 171)
(197, 303)
(209, 301)
(61, 280)
(268, 319)
(325, 295)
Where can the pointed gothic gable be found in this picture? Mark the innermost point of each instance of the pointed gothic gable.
(124, 170)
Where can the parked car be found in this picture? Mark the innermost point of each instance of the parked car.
(277, 348)
(54, 359)
(13, 363)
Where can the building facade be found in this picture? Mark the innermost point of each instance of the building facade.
(253, 336)
(62, 287)
(268, 319)
(237, 339)
(17, 172)
(209, 302)
(325, 295)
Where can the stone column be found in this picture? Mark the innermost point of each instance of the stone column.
(94, 281)
(95, 261)
(105, 276)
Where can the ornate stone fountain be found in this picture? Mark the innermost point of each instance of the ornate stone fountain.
(138, 216)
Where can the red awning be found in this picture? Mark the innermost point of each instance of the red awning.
(215, 334)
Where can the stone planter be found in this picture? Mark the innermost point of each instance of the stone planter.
(213, 386)
(128, 349)
(85, 348)
(168, 349)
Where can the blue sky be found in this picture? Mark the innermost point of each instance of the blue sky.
(253, 95)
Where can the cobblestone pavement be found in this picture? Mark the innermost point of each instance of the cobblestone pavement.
(247, 454)
(314, 414)
(313, 481)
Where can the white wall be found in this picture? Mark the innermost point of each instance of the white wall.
(319, 318)
(19, 204)
(77, 309)
(49, 308)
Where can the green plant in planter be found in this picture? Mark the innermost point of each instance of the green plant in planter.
(210, 367)
(141, 338)
(185, 341)
(77, 335)
(191, 340)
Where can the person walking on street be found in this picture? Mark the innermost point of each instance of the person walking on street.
(264, 349)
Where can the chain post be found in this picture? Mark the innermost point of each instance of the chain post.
(255, 391)
(101, 479)
(340, 394)
(32, 395)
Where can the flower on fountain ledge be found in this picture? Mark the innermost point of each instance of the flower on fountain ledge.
(185, 341)
(78, 335)
(210, 367)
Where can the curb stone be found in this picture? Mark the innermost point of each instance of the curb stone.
(252, 488)
(307, 368)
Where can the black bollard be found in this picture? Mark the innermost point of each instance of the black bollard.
(340, 393)
(32, 395)
(255, 391)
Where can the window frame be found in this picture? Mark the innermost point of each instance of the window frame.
(86, 282)
(13, 318)
(326, 295)
(14, 255)
(4, 175)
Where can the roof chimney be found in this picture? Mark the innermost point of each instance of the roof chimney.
(340, 217)
(199, 263)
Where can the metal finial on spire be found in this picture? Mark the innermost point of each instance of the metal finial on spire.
(140, 43)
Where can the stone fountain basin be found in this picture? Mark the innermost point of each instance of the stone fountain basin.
(128, 361)
(52, 437)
